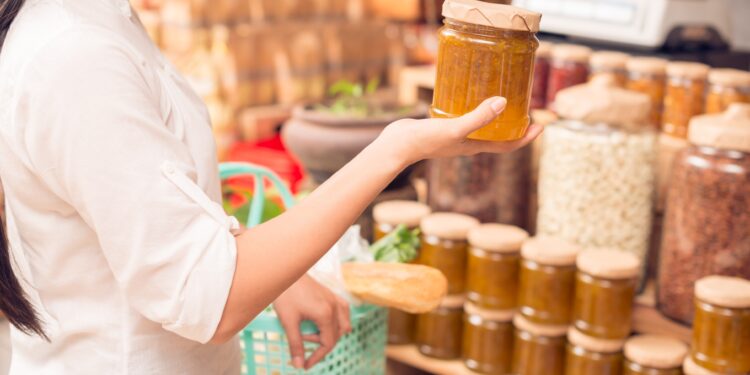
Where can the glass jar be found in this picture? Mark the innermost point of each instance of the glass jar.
(669, 147)
(492, 274)
(547, 280)
(727, 86)
(685, 96)
(721, 330)
(690, 368)
(538, 349)
(440, 331)
(488, 340)
(647, 75)
(709, 184)
(444, 246)
(541, 76)
(654, 355)
(486, 50)
(569, 67)
(605, 288)
(590, 356)
(609, 63)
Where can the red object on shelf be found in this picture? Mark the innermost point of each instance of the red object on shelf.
(272, 154)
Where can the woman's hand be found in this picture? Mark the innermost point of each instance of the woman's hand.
(308, 300)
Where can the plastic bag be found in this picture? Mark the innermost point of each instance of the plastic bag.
(351, 247)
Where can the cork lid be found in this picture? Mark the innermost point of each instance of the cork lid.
(689, 367)
(494, 315)
(724, 291)
(729, 77)
(684, 69)
(729, 130)
(453, 301)
(493, 15)
(545, 49)
(601, 101)
(450, 226)
(409, 213)
(571, 52)
(554, 251)
(656, 351)
(545, 330)
(608, 263)
(648, 65)
(593, 344)
(608, 59)
(497, 237)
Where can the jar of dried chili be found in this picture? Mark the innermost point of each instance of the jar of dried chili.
(570, 67)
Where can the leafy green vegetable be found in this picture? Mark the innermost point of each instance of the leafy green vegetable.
(399, 246)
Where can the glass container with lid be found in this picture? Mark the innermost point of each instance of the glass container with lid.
(647, 75)
(609, 63)
(727, 86)
(486, 50)
(488, 340)
(538, 349)
(587, 355)
(685, 96)
(654, 355)
(690, 368)
(569, 67)
(547, 280)
(440, 331)
(707, 219)
(492, 274)
(541, 76)
(444, 246)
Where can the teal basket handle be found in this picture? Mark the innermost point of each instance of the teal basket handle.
(260, 174)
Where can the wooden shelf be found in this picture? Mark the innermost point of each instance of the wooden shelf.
(409, 355)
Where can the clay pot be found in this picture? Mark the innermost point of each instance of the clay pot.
(325, 142)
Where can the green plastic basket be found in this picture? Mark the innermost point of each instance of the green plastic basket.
(361, 352)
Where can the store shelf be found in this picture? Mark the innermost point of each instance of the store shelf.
(409, 355)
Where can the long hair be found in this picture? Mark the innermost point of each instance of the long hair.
(13, 301)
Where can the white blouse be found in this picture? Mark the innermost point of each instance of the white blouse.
(112, 198)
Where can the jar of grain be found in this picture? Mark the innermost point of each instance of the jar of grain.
(444, 246)
(685, 96)
(654, 355)
(721, 330)
(440, 331)
(609, 63)
(647, 75)
(541, 76)
(569, 67)
(707, 220)
(727, 86)
(587, 355)
(538, 349)
(488, 340)
(547, 280)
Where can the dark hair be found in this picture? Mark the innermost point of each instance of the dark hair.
(13, 301)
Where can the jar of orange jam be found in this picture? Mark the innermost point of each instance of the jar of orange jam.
(538, 349)
(444, 246)
(690, 368)
(586, 355)
(647, 75)
(685, 96)
(727, 86)
(488, 340)
(654, 355)
(609, 63)
(440, 331)
(486, 50)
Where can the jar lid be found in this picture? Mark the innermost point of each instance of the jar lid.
(594, 344)
(497, 237)
(571, 52)
(608, 263)
(686, 69)
(453, 301)
(724, 291)
(493, 15)
(554, 251)
(689, 367)
(608, 59)
(729, 77)
(729, 130)
(494, 315)
(601, 101)
(545, 49)
(396, 212)
(448, 225)
(656, 351)
(651, 65)
(545, 330)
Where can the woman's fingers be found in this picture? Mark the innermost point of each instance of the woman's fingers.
(291, 325)
(474, 146)
(345, 323)
(482, 115)
(328, 325)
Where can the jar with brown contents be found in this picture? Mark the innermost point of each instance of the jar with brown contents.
(492, 274)
(721, 330)
(690, 368)
(488, 340)
(605, 288)
(440, 331)
(486, 50)
(547, 280)
(569, 67)
(647, 75)
(654, 355)
(541, 76)
(538, 349)
(609, 63)
(444, 246)
(707, 220)
(587, 355)
(685, 96)
(727, 86)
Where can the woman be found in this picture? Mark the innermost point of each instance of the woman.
(124, 260)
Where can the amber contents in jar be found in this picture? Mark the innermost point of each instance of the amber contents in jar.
(727, 86)
(494, 57)
(569, 67)
(541, 76)
(632, 368)
(401, 327)
(609, 63)
(589, 356)
(488, 340)
(444, 246)
(685, 96)
(439, 332)
(537, 349)
(647, 75)
(654, 355)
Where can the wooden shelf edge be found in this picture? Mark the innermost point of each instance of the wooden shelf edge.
(409, 355)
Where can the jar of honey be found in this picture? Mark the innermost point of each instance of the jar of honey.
(494, 257)
(541, 76)
(647, 75)
(609, 63)
(654, 355)
(685, 96)
(605, 288)
(547, 280)
(721, 327)
(587, 355)
(486, 50)
(440, 331)
(570, 67)
(538, 349)
(690, 368)
(727, 86)
(488, 340)
(444, 246)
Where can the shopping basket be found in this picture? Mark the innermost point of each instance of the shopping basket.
(361, 352)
